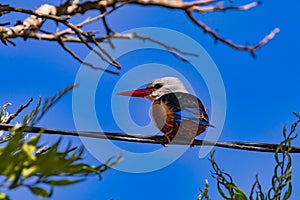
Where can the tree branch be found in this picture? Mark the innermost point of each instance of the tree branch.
(20, 109)
(141, 138)
(61, 15)
(248, 48)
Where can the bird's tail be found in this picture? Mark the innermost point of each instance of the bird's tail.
(205, 123)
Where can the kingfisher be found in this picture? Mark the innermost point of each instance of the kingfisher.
(174, 110)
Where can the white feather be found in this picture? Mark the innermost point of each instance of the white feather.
(169, 85)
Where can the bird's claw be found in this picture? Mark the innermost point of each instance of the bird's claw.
(168, 140)
(192, 143)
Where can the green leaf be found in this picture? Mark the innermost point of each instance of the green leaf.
(41, 192)
(284, 131)
(239, 194)
(75, 2)
(297, 115)
(288, 192)
(281, 180)
(34, 140)
(29, 150)
(62, 182)
(21, 167)
(2, 32)
(221, 192)
(204, 192)
(4, 113)
(259, 193)
(3, 196)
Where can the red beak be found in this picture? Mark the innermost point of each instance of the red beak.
(136, 93)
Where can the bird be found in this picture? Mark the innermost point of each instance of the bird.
(174, 110)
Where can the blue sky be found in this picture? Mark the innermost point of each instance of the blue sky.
(261, 94)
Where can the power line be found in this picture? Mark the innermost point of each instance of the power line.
(142, 138)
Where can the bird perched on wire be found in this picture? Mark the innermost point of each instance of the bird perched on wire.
(176, 113)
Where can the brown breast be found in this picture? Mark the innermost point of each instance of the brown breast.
(163, 118)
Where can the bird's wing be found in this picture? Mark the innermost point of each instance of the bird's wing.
(191, 114)
(187, 107)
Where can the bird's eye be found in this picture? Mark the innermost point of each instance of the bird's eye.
(157, 86)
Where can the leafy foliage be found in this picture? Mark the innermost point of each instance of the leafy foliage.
(42, 107)
(226, 187)
(281, 181)
(4, 114)
(259, 194)
(204, 193)
(27, 163)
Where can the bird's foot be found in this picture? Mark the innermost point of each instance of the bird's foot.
(192, 143)
(168, 140)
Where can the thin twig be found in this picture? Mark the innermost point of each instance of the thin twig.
(176, 52)
(220, 7)
(214, 34)
(5, 24)
(266, 39)
(76, 57)
(54, 37)
(90, 20)
(42, 150)
(142, 138)
(31, 26)
(21, 108)
(81, 35)
(47, 148)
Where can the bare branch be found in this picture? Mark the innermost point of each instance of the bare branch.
(81, 8)
(39, 12)
(268, 37)
(35, 21)
(142, 138)
(180, 5)
(248, 48)
(74, 55)
(31, 26)
(176, 52)
(54, 37)
(221, 7)
(81, 35)
(90, 20)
